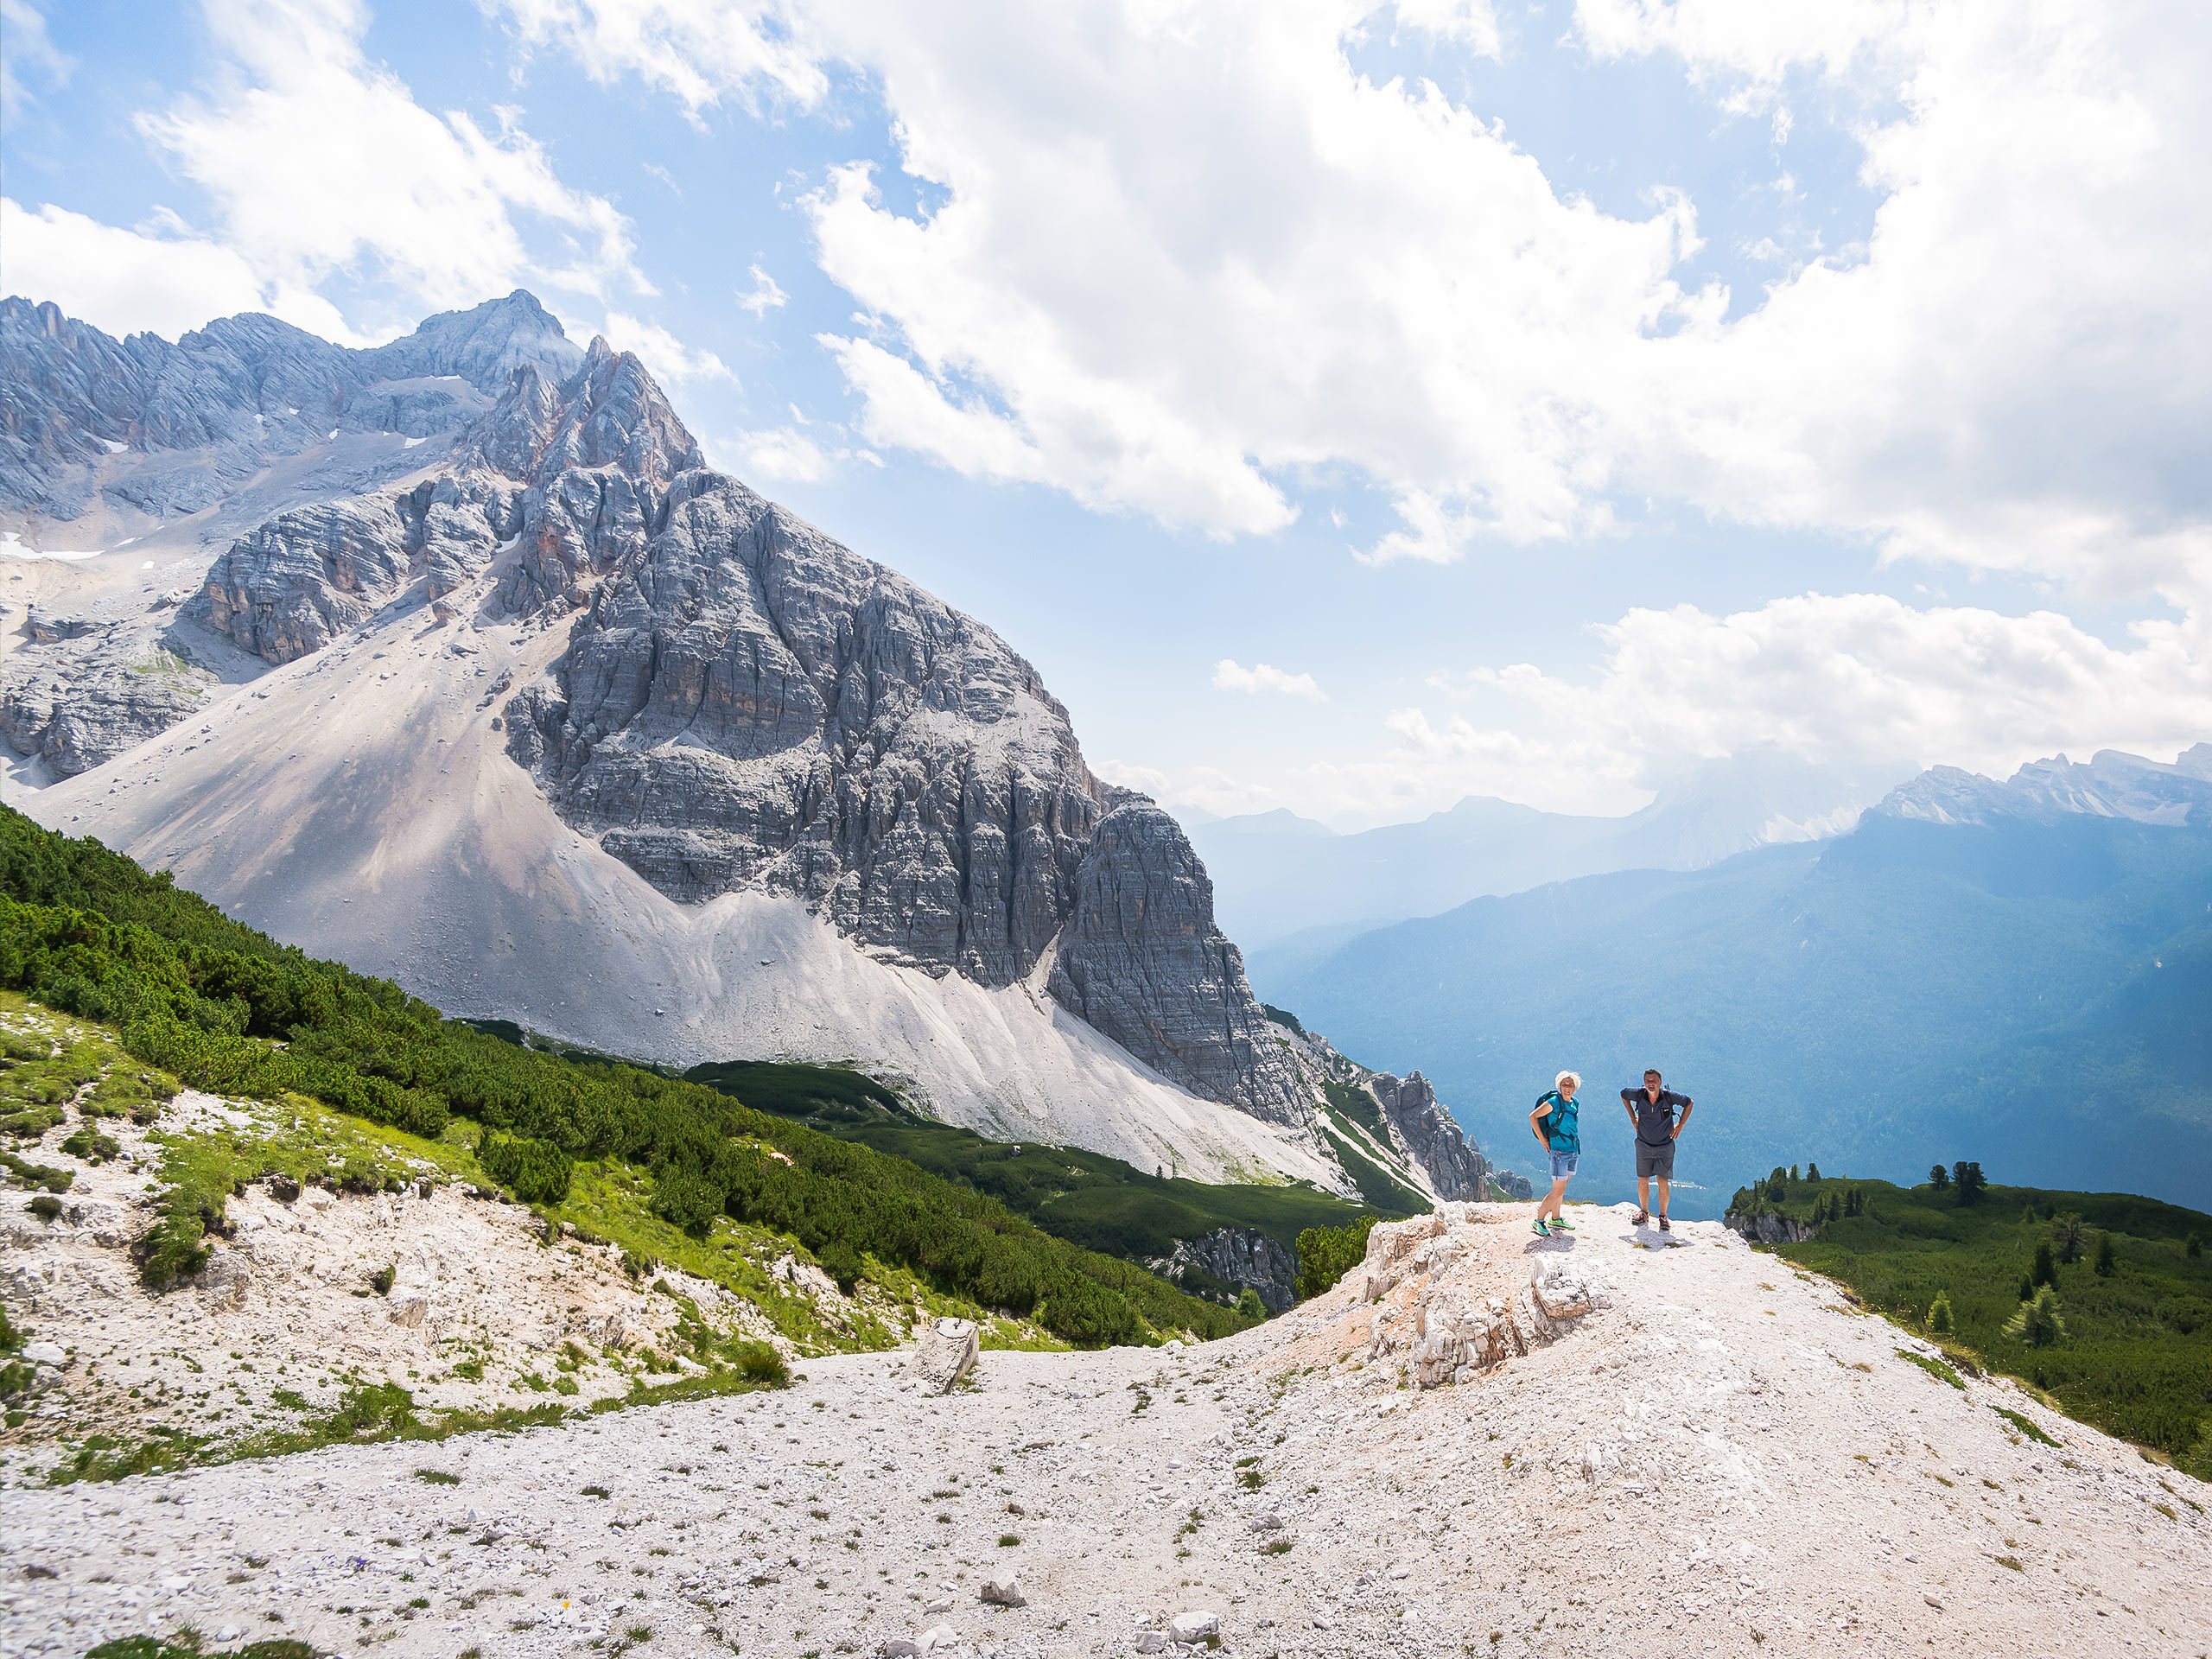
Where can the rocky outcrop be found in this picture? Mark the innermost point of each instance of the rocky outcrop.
(1142, 960)
(1398, 1123)
(747, 703)
(575, 474)
(86, 696)
(1429, 1136)
(1772, 1230)
(1453, 1295)
(1241, 1258)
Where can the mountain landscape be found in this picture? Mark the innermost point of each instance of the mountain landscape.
(520, 704)
(2016, 972)
(503, 928)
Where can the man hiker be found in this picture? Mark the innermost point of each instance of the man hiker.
(1651, 1110)
(1554, 1123)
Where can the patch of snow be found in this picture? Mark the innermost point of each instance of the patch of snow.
(12, 547)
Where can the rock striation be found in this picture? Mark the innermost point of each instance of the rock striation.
(92, 694)
(1396, 1122)
(1142, 960)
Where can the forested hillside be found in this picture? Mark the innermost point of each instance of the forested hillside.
(2036, 996)
(226, 1009)
(2103, 1300)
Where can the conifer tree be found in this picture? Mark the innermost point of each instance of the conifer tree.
(2105, 1264)
(1938, 1176)
(1812, 1172)
(2027, 1287)
(2037, 1323)
(2194, 1247)
(1793, 1172)
(1940, 1322)
(2045, 1272)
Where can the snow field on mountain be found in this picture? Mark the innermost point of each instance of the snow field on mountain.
(1722, 1456)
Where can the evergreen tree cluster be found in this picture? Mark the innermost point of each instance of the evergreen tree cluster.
(1326, 1254)
(228, 1010)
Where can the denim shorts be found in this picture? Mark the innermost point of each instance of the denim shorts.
(1563, 1164)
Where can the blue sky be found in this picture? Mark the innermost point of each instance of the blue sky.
(1549, 397)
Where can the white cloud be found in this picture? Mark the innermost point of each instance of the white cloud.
(670, 360)
(1858, 682)
(318, 162)
(699, 51)
(27, 49)
(1186, 257)
(765, 296)
(123, 281)
(1229, 675)
(779, 455)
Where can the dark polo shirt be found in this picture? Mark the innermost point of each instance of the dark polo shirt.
(1655, 1119)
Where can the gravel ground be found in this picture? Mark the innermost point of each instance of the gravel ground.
(1722, 1456)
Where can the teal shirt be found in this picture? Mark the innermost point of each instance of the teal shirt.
(1563, 1126)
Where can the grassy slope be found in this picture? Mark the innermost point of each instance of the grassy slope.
(221, 991)
(1086, 1197)
(2137, 1360)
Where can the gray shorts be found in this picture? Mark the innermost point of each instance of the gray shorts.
(1655, 1160)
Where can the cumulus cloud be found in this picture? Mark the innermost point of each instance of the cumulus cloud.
(1177, 260)
(1230, 675)
(1858, 682)
(319, 164)
(669, 358)
(318, 160)
(159, 278)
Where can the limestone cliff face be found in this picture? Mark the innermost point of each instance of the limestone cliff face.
(1398, 1123)
(1142, 960)
(747, 703)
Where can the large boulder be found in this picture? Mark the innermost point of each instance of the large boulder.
(946, 1354)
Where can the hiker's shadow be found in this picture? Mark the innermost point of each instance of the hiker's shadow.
(1557, 1245)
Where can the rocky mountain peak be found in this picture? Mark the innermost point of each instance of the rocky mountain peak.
(484, 346)
(2112, 785)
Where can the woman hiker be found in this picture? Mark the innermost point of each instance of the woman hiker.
(1553, 1123)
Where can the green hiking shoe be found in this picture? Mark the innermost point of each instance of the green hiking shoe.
(1561, 1225)
(1539, 1228)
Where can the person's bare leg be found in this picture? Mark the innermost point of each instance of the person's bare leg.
(1664, 1186)
(1643, 1194)
(1551, 1201)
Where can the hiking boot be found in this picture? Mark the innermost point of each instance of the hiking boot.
(1561, 1225)
(1642, 1217)
(1663, 1227)
(1539, 1228)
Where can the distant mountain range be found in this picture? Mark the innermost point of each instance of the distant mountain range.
(2016, 973)
(1277, 876)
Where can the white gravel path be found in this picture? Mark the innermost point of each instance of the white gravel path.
(1723, 1457)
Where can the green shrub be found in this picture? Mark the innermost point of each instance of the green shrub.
(538, 1171)
(1326, 1254)
(1249, 1305)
